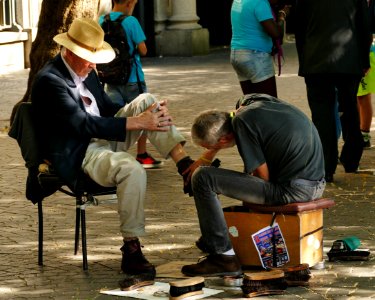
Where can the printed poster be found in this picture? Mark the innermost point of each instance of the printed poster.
(271, 246)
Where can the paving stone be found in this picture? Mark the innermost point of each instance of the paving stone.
(190, 85)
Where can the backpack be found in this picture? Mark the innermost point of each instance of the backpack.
(118, 70)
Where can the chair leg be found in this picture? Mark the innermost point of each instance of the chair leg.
(78, 216)
(40, 233)
(84, 245)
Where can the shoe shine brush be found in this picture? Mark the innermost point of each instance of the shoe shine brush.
(185, 288)
(263, 283)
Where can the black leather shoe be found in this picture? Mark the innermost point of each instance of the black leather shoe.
(133, 260)
(182, 166)
(214, 265)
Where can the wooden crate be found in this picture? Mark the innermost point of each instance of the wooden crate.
(302, 231)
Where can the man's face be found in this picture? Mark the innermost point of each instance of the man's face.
(79, 65)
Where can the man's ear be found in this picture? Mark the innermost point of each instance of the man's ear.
(225, 139)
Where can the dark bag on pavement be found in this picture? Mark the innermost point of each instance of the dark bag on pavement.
(118, 70)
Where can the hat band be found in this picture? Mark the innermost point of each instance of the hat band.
(92, 49)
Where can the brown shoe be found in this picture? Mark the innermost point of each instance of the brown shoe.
(214, 265)
(133, 260)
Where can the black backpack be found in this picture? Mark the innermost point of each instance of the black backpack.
(372, 15)
(118, 70)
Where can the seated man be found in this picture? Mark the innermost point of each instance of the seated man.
(283, 163)
(75, 121)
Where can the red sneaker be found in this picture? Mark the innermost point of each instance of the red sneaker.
(148, 162)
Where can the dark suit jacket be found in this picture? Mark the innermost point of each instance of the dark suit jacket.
(332, 36)
(64, 128)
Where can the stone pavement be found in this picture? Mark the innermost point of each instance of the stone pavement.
(191, 85)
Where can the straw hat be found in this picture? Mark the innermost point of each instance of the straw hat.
(85, 38)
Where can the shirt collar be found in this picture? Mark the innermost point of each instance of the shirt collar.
(78, 80)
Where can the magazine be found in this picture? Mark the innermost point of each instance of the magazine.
(271, 246)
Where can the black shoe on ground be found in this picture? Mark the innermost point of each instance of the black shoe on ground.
(214, 265)
(133, 260)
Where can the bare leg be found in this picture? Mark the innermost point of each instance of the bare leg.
(365, 111)
(141, 144)
(267, 86)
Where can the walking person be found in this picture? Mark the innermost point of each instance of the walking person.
(254, 30)
(333, 41)
(367, 87)
(127, 92)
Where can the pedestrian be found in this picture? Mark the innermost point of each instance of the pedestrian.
(364, 95)
(283, 163)
(82, 131)
(254, 34)
(367, 87)
(136, 85)
(333, 40)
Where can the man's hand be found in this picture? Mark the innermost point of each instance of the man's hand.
(155, 118)
(204, 160)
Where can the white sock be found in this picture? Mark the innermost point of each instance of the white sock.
(229, 252)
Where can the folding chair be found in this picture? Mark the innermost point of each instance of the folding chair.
(43, 182)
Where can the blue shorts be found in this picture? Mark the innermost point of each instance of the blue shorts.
(252, 65)
(124, 94)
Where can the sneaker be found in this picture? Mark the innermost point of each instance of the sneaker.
(366, 140)
(214, 265)
(133, 260)
(148, 162)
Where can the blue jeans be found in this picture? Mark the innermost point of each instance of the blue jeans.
(209, 182)
(124, 94)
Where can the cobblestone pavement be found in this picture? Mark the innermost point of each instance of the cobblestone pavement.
(191, 85)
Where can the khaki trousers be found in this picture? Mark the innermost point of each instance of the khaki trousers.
(108, 164)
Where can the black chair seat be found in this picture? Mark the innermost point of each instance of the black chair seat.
(51, 180)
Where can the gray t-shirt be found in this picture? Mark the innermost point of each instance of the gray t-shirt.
(273, 131)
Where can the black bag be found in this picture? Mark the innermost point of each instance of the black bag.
(118, 70)
(372, 15)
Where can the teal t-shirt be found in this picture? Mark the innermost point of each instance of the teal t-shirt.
(247, 32)
(135, 35)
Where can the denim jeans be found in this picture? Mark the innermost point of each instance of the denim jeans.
(252, 65)
(124, 94)
(209, 182)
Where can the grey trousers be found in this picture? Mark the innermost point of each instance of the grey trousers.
(209, 182)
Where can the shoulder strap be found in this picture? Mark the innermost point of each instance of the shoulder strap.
(121, 18)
